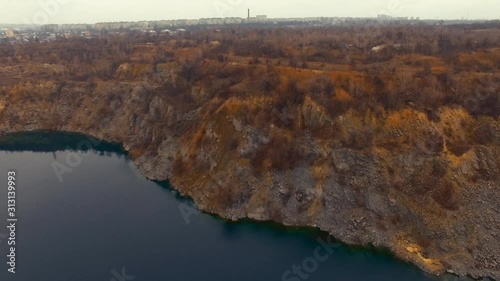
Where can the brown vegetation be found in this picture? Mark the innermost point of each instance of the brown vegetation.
(306, 125)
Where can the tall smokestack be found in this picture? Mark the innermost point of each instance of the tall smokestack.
(248, 13)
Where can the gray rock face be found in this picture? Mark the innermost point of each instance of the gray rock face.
(436, 209)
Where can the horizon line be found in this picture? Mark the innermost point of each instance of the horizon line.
(266, 19)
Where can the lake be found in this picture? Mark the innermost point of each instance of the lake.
(104, 221)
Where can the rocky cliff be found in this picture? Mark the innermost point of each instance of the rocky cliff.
(422, 201)
(424, 184)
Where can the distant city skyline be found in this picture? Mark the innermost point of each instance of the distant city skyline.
(93, 11)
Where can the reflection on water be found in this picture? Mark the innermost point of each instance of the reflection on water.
(105, 221)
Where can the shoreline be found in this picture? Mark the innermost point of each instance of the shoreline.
(229, 218)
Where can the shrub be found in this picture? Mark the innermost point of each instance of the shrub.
(484, 133)
(281, 153)
(293, 95)
(360, 139)
(178, 167)
(447, 195)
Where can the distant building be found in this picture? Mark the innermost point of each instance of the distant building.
(86, 34)
(50, 28)
(143, 24)
(383, 17)
(10, 33)
(261, 17)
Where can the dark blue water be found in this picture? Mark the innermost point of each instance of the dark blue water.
(105, 222)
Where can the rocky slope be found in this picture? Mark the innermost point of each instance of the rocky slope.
(428, 205)
(247, 140)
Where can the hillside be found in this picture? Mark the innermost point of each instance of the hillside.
(396, 147)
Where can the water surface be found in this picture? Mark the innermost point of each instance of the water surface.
(105, 216)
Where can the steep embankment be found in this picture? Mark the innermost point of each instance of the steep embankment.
(392, 179)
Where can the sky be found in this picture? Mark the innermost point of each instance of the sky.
(92, 11)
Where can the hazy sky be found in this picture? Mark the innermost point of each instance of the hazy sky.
(91, 11)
